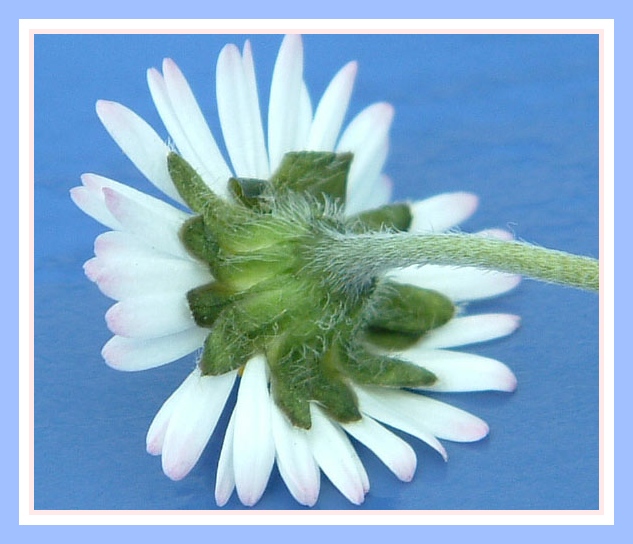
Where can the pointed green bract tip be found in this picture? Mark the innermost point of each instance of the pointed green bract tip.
(191, 187)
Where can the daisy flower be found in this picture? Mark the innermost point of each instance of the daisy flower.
(230, 270)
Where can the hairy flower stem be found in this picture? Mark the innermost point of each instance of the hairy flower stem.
(354, 260)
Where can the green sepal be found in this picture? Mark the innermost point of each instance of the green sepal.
(191, 187)
(394, 217)
(250, 192)
(332, 392)
(337, 399)
(408, 309)
(391, 340)
(220, 216)
(291, 402)
(321, 174)
(226, 347)
(197, 240)
(292, 371)
(207, 302)
(402, 314)
(368, 368)
(255, 311)
(300, 377)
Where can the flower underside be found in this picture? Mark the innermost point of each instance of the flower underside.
(271, 294)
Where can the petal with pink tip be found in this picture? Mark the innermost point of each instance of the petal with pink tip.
(193, 421)
(383, 406)
(158, 224)
(158, 428)
(90, 198)
(140, 143)
(471, 329)
(93, 205)
(150, 316)
(295, 461)
(120, 245)
(253, 446)
(337, 458)
(133, 354)
(389, 448)
(459, 372)
(225, 478)
(96, 183)
(442, 212)
(331, 110)
(122, 277)
(440, 419)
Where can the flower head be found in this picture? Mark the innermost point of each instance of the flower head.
(241, 278)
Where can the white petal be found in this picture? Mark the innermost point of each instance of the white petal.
(331, 110)
(460, 372)
(170, 119)
(238, 107)
(208, 160)
(225, 479)
(253, 447)
(471, 329)
(389, 448)
(294, 459)
(259, 144)
(442, 212)
(379, 405)
(132, 354)
(150, 316)
(458, 283)
(96, 183)
(158, 224)
(115, 245)
(173, 115)
(156, 432)
(304, 119)
(285, 99)
(193, 421)
(379, 195)
(337, 458)
(91, 200)
(94, 206)
(440, 419)
(367, 137)
(126, 277)
(140, 143)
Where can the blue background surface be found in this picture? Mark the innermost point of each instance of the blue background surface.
(511, 118)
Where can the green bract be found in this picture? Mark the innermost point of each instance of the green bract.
(270, 296)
